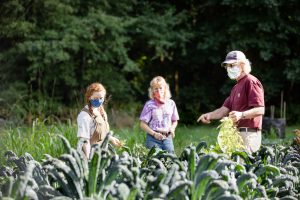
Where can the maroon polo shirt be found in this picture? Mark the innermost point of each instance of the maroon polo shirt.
(246, 94)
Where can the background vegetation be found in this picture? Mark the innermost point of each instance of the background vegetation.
(198, 172)
(41, 139)
(52, 49)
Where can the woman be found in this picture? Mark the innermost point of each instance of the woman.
(92, 120)
(159, 116)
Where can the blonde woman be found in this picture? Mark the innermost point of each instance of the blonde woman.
(92, 120)
(159, 116)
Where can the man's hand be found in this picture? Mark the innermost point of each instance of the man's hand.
(205, 118)
(235, 115)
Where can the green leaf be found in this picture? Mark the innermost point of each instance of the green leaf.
(94, 172)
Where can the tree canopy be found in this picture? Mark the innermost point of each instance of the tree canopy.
(52, 49)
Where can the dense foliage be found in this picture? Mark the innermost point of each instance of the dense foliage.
(52, 49)
(229, 139)
(198, 173)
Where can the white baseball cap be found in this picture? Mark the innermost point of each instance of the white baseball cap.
(233, 56)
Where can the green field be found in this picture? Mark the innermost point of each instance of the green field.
(196, 172)
(186, 135)
(40, 139)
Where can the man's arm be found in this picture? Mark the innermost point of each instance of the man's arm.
(248, 114)
(216, 114)
(254, 112)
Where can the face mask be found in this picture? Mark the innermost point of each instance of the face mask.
(233, 72)
(96, 102)
(158, 97)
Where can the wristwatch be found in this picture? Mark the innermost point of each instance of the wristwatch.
(243, 115)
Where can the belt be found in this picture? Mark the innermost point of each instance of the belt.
(165, 134)
(245, 129)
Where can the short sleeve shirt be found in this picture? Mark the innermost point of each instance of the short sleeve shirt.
(85, 124)
(246, 94)
(159, 116)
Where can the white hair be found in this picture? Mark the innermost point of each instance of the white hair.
(247, 66)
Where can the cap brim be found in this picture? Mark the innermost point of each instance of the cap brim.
(227, 62)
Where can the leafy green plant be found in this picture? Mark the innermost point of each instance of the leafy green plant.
(107, 175)
(199, 172)
(228, 139)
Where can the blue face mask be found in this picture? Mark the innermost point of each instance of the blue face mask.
(96, 102)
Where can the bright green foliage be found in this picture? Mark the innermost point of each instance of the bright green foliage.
(38, 139)
(229, 139)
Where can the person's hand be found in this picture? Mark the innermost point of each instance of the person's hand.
(159, 136)
(115, 141)
(235, 115)
(204, 118)
(172, 132)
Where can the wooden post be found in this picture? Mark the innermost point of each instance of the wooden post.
(281, 105)
(284, 110)
(176, 82)
(272, 111)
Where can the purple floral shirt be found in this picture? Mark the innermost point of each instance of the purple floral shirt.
(159, 117)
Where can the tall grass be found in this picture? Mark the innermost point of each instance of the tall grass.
(184, 136)
(40, 139)
(272, 138)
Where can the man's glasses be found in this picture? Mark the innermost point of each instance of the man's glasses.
(230, 65)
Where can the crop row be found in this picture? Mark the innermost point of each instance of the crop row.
(197, 173)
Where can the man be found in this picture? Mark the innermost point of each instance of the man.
(245, 105)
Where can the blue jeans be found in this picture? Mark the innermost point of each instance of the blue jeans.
(166, 144)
